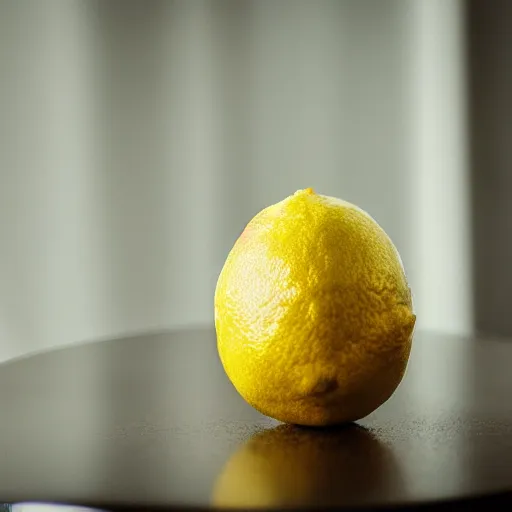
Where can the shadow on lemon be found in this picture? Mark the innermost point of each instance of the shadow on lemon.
(291, 466)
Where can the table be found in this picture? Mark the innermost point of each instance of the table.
(152, 421)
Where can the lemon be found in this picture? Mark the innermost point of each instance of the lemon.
(313, 312)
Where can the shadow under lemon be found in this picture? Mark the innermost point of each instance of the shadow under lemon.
(297, 466)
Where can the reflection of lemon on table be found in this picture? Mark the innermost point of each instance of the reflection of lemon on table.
(296, 467)
(313, 312)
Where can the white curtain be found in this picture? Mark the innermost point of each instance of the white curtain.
(138, 137)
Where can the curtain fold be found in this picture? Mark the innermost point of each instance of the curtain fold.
(138, 138)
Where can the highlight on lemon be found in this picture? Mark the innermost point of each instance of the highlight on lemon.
(313, 312)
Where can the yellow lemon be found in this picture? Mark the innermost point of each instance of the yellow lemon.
(313, 312)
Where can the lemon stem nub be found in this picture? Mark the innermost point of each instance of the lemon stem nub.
(307, 191)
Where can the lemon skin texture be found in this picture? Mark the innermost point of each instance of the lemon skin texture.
(313, 312)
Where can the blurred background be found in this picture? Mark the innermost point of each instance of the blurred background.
(138, 137)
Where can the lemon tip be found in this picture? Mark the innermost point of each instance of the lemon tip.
(306, 191)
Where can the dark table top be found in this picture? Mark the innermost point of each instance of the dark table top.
(152, 420)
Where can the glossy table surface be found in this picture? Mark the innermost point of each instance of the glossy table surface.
(152, 421)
